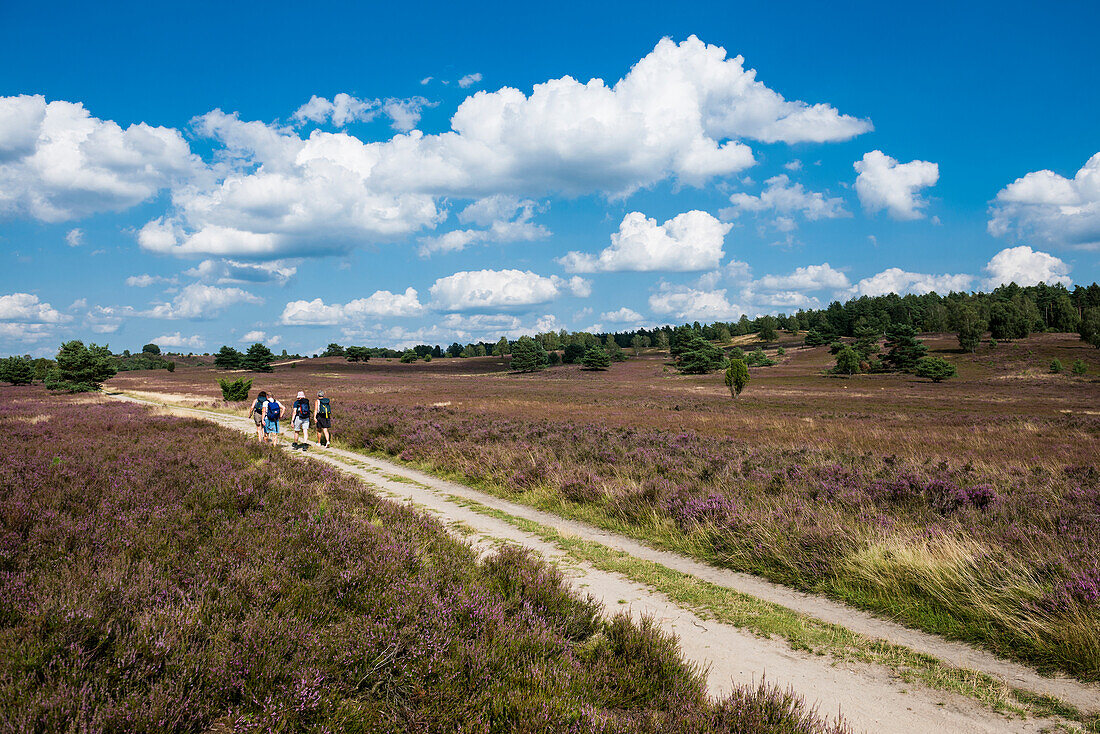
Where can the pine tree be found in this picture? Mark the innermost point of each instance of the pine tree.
(528, 355)
(80, 368)
(904, 349)
(698, 356)
(596, 359)
(847, 361)
(228, 358)
(258, 358)
(17, 370)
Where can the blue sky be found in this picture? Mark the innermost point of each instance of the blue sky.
(397, 175)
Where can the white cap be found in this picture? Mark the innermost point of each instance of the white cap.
(301, 394)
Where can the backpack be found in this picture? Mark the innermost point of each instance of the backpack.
(259, 406)
(274, 410)
(301, 407)
(325, 411)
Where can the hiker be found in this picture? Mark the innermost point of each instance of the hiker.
(257, 414)
(324, 418)
(301, 421)
(273, 410)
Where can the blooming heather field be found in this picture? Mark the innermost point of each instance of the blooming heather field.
(969, 508)
(163, 574)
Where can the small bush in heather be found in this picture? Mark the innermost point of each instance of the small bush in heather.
(408, 357)
(235, 391)
(596, 359)
(171, 367)
(80, 368)
(737, 376)
(1056, 366)
(815, 338)
(847, 361)
(17, 371)
(357, 354)
(553, 358)
(528, 355)
(937, 369)
(1079, 367)
(757, 358)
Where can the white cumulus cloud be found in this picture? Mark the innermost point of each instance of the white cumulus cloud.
(500, 290)
(896, 280)
(178, 341)
(690, 241)
(806, 278)
(225, 272)
(689, 304)
(1050, 208)
(200, 301)
(507, 218)
(1024, 266)
(682, 112)
(786, 199)
(380, 304)
(623, 315)
(883, 183)
(57, 162)
(25, 308)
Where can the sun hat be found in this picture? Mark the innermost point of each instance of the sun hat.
(301, 394)
(320, 393)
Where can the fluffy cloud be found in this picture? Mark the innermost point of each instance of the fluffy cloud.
(178, 341)
(688, 304)
(1051, 208)
(344, 109)
(199, 301)
(623, 315)
(690, 241)
(469, 80)
(25, 308)
(233, 271)
(786, 199)
(57, 162)
(883, 183)
(380, 304)
(145, 280)
(75, 237)
(807, 278)
(107, 319)
(1024, 266)
(261, 337)
(896, 280)
(499, 290)
(681, 112)
(507, 218)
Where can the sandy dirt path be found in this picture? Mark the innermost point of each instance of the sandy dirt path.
(869, 697)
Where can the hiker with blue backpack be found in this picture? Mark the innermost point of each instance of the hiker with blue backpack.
(301, 421)
(273, 410)
(324, 418)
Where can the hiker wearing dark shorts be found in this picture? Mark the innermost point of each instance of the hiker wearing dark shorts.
(300, 421)
(324, 419)
(257, 414)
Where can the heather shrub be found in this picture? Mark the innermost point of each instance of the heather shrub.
(1056, 366)
(236, 390)
(937, 369)
(1079, 367)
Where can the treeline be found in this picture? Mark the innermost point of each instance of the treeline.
(1008, 312)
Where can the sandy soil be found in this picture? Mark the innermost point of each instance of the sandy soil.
(869, 697)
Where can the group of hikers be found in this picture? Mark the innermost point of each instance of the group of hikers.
(267, 411)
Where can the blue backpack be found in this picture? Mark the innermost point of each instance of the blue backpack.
(274, 410)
